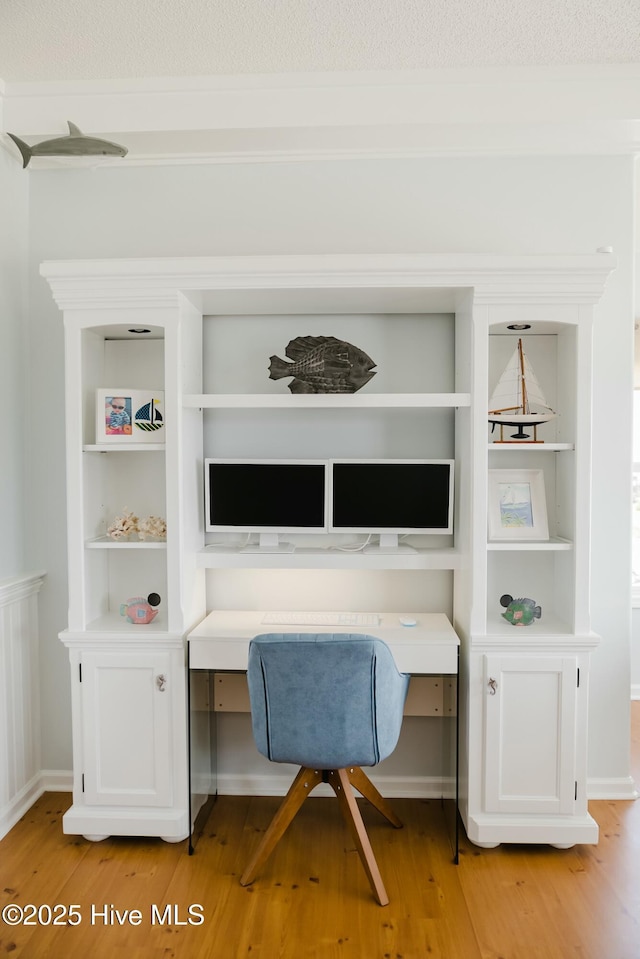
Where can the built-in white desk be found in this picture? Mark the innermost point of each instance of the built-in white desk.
(220, 644)
(221, 641)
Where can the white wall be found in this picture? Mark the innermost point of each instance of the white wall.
(635, 653)
(13, 321)
(498, 205)
(635, 615)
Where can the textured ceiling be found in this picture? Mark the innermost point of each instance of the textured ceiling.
(75, 40)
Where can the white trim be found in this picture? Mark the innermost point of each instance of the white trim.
(57, 780)
(98, 822)
(635, 691)
(340, 115)
(79, 285)
(20, 757)
(20, 587)
(490, 830)
(391, 787)
(613, 789)
(19, 804)
(600, 73)
(46, 781)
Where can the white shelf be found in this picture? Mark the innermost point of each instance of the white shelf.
(529, 447)
(232, 558)
(105, 542)
(320, 401)
(114, 630)
(545, 545)
(549, 628)
(123, 448)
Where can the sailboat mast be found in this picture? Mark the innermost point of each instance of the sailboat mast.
(523, 385)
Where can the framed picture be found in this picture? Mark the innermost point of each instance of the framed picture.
(129, 416)
(517, 505)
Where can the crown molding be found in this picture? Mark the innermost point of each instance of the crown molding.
(144, 283)
(296, 117)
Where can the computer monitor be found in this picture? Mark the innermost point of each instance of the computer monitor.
(267, 497)
(391, 498)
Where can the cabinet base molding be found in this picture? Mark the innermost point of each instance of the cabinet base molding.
(490, 831)
(98, 823)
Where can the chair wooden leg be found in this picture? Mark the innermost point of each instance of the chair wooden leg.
(340, 784)
(363, 784)
(300, 788)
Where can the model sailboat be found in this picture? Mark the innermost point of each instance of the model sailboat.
(518, 400)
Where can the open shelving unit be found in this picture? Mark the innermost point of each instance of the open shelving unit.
(437, 326)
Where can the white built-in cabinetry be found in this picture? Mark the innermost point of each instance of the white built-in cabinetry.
(437, 328)
(128, 682)
(525, 715)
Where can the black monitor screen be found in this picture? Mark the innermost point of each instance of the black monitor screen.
(394, 496)
(257, 496)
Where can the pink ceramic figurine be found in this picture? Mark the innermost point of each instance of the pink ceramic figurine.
(139, 610)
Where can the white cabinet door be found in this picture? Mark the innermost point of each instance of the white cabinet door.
(126, 728)
(530, 734)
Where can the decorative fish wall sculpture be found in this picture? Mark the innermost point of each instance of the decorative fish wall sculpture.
(323, 364)
(75, 144)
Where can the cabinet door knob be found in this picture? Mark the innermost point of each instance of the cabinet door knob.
(161, 682)
(493, 685)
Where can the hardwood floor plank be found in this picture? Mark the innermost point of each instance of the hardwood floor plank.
(617, 855)
(530, 902)
(115, 886)
(35, 862)
(312, 899)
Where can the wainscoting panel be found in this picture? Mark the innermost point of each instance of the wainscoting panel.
(20, 774)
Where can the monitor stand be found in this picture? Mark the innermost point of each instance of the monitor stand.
(268, 543)
(389, 543)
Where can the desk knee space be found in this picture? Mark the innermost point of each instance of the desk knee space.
(427, 696)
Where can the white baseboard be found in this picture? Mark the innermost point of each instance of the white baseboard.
(391, 787)
(19, 805)
(623, 788)
(403, 787)
(57, 781)
(48, 780)
(635, 691)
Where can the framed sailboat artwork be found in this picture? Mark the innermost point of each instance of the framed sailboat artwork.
(127, 416)
(518, 402)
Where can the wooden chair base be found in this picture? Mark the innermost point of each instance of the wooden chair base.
(341, 781)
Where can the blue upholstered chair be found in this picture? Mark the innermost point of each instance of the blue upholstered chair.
(329, 703)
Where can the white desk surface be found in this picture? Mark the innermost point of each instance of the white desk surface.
(221, 641)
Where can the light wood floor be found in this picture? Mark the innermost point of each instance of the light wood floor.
(313, 900)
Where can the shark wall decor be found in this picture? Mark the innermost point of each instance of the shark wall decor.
(74, 144)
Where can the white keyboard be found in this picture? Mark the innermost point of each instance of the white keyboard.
(305, 618)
